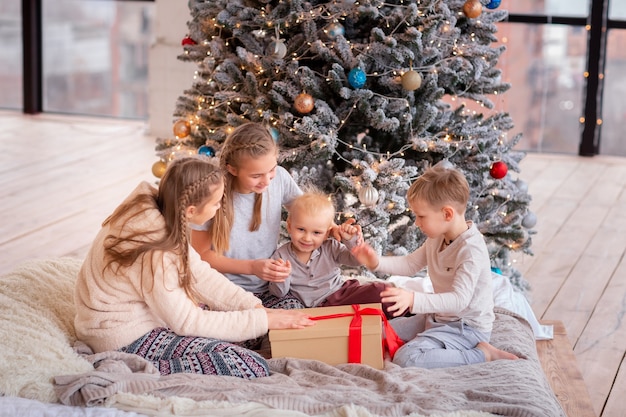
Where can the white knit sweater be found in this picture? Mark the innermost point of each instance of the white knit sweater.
(115, 309)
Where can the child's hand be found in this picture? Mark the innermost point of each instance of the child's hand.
(366, 255)
(348, 229)
(272, 270)
(287, 319)
(401, 300)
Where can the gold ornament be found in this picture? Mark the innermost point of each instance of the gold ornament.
(411, 80)
(304, 103)
(472, 8)
(181, 128)
(158, 168)
(368, 195)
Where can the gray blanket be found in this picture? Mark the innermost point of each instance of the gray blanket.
(510, 388)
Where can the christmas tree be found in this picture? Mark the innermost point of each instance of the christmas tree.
(361, 96)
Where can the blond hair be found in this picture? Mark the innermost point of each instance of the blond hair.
(313, 202)
(250, 140)
(440, 186)
(186, 182)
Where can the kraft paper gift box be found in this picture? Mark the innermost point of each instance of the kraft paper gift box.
(329, 339)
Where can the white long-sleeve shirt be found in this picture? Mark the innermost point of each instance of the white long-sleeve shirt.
(114, 308)
(461, 278)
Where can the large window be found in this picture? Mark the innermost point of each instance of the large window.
(614, 106)
(578, 8)
(567, 76)
(544, 65)
(91, 56)
(95, 57)
(10, 54)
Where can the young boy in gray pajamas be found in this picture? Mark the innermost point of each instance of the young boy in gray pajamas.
(451, 326)
(316, 260)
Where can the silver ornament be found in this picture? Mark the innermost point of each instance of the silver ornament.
(277, 49)
(530, 220)
(368, 195)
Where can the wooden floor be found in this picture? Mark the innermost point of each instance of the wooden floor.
(61, 176)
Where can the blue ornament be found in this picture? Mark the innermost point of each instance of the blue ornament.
(530, 220)
(335, 29)
(206, 150)
(496, 270)
(274, 133)
(357, 77)
(493, 4)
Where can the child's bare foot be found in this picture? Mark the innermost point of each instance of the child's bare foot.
(493, 354)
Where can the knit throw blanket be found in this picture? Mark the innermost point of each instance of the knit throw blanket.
(41, 359)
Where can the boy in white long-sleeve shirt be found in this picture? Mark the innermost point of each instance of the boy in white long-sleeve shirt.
(453, 325)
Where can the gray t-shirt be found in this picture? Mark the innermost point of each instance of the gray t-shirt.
(314, 281)
(259, 244)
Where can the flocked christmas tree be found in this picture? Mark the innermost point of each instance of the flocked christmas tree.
(361, 96)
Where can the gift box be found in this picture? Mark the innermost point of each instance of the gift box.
(342, 334)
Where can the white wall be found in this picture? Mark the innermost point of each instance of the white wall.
(168, 77)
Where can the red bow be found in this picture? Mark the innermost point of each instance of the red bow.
(391, 341)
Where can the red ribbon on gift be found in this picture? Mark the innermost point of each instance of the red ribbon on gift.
(391, 341)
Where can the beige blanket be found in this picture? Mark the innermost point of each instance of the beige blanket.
(296, 387)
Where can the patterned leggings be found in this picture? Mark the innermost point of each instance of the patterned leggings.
(268, 300)
(288, 302)
(172, 353)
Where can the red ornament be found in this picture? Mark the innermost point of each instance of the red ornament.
(188, 41)
(304, 103)
(498, 170)
(472, 8)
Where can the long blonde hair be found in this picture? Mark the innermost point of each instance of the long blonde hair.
(251, 140)
(187, 182)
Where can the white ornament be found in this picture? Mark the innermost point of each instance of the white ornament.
(368, 195)
(277, 49)
(445, 164)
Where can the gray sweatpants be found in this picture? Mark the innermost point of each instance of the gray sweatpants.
(437, 345)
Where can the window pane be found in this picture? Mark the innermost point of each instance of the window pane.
(95, 57)
(11, 54)
(612, 140)
(617, 9)
(570, 8)
(544, 65)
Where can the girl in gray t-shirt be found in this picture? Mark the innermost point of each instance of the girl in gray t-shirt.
(241, 238)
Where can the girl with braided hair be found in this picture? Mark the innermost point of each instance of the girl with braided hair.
(143, 289)
(241, 238)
